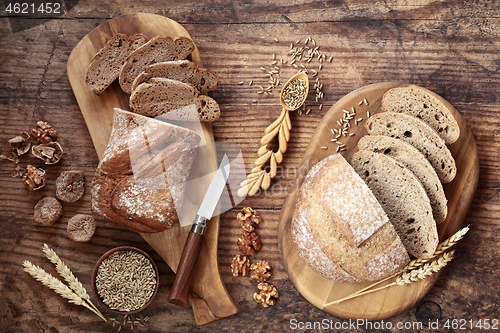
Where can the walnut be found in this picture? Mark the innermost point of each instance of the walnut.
(50, 152)
(249, 242)
(266, 292)
(240, 265)
(34, 178)
(44, 133)
(260, 271)
(248, 219)
(21, 144)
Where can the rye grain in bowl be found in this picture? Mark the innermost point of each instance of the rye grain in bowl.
(125, 280)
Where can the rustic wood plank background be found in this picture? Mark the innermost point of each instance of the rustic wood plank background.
(451, 47)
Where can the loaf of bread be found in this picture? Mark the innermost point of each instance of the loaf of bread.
(417, 133)
(337, 213)
(141, 177)
(403, 199)
(412, 159)
(425, 105)
(106, 64)
(181, 70)
(158, 49)
(174, 100)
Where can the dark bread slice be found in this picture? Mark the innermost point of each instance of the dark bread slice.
(181, 70)
(158, 49)
(413, 159)
(173, 100)
(425, 105)
(417, 133)
(403, 199)
(106, 64)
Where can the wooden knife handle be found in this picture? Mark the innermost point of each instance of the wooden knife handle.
(179, 292)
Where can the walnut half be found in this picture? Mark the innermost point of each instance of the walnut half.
(248, 219)
(240, 265)
(50, 152)
(34, 178)
(266, 292)
(261, 271)
(249, 242)
(44, 133)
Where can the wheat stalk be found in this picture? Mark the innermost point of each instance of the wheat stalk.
(442, 247)
(407, 277)
(67, 274)
(57, 285)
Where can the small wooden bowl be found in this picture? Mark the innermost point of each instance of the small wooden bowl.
(106, 255)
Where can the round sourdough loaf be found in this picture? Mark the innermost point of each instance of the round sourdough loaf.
(339, 228)
(413, 159)
(403, 198)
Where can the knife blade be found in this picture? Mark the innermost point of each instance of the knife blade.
(179, 292)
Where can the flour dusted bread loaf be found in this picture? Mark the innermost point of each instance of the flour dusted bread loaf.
(413, 159)
(106, 64)
(158, 49)
(181, 70)
(402, 197)
(141, 176)
(173, 99)
(337, 213)
(425, 105)
(417, 133)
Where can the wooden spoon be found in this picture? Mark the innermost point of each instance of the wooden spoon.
(292, 96)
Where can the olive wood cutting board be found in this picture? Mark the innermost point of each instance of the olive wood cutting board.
(208, 295)
(389, 301)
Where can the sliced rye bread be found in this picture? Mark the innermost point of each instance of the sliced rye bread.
(319, 228)
(158, 49)
(403, 198)
(420, 135)
(173, 100)
(106, 64)
(181, 70)
(425, 105)
(416, 162)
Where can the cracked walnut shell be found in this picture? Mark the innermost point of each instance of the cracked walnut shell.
(266, 292)
(248, 219)
(34, 178)
(21, 144)
(261, 271)
(240, 265)
(50, 153)
(44, 133)
(249, 242)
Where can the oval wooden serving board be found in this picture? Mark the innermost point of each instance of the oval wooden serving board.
(394, 300)
(209, 297)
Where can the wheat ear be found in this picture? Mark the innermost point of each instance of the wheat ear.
(57, 285)
(407, 277)
(442, 247)
(67, 274)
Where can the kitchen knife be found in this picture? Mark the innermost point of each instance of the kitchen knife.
(179, 292)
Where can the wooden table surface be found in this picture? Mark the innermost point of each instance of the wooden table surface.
(450, 47)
